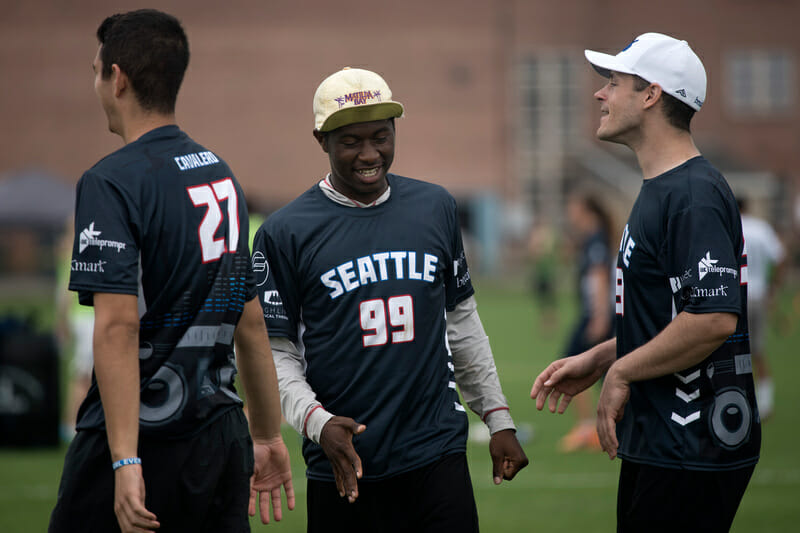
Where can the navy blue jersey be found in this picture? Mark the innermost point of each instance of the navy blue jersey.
(594, 253)
(364, 292)
(165, 219)
(682, 250)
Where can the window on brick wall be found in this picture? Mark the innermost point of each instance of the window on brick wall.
(550, 93)
(760, 82)
(551, 98)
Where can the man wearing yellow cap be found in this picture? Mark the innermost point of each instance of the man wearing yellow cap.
(368, 300)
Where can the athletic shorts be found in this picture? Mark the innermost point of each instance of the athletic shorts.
(655, 499)
(435, 498)
(196, 484)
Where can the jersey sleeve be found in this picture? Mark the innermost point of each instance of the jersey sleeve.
(276, 283)
(458, 283)
(702, 259)
(105, 254)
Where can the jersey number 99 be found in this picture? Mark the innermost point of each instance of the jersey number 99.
(376, 322)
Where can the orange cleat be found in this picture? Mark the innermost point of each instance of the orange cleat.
(580, 437)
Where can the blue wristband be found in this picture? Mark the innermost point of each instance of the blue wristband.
(125, 462)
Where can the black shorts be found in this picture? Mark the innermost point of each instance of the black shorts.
(199, 483)
(657, 499)
(435, 498)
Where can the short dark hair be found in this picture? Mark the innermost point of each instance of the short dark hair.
(151, 48)
(678, 113)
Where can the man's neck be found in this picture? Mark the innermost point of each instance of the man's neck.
(663, 151)
(136, 126)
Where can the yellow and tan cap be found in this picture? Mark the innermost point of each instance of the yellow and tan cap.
(353, 95)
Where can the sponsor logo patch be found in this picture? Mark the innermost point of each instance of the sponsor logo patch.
(698, 292)
(88, 237)
(260, 268)
(676, 283)
(707, 266)
(92, 266)
(273, 306)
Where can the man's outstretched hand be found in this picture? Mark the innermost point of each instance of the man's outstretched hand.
(272, 469)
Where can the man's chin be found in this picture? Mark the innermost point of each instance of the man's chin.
(612, 137)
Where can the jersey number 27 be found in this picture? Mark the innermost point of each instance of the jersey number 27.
(211, 195)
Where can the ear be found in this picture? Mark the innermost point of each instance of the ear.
(322, 139)
(652, 95)
(119, 80)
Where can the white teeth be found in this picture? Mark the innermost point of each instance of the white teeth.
(368, 172)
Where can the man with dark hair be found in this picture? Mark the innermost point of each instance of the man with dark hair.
(678, 402)
(161, 253)
(153, 53)
(677, 113)
(369, 302)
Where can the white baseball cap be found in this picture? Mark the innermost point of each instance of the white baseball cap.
(662, 60)
(353, 95)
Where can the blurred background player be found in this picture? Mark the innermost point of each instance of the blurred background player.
(74, 330)
(372, 318)
(160, 254)
(590, 225)
(543, 278)
(765, 261)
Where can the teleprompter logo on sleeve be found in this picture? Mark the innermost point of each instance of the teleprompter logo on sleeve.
(88, 237)
(707, 266)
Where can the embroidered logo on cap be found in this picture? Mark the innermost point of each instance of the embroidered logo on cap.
(630, 44)
(358, 98)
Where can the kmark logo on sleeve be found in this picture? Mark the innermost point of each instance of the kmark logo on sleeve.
(92, 266)
(88, 237)
(709, 266)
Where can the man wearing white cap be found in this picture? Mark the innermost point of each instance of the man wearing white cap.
(368, 299)
(678, 403)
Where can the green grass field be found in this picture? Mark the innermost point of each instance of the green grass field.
(556, 493)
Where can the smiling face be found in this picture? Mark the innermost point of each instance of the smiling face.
(620, 109)
(360, 156)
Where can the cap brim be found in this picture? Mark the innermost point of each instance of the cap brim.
(362, 113)
(604, 64)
